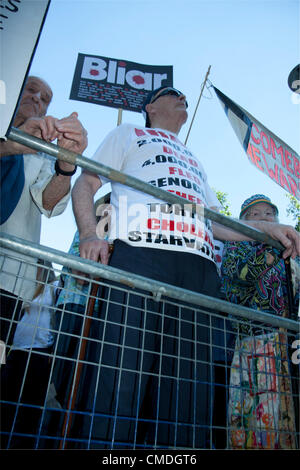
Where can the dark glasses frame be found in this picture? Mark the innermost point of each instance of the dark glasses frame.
(169, 91)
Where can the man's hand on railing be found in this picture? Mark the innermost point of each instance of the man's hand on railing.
(69, 132)
(41, 127)
(72, 135)
(94, 249)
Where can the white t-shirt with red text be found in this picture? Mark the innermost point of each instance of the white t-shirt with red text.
(159, 158)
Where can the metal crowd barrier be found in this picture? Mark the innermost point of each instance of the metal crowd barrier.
(176, 370)
(54, 400)
(114, 175)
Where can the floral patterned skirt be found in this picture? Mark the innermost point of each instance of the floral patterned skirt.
(260, 411)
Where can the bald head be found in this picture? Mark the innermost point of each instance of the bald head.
(35, 100)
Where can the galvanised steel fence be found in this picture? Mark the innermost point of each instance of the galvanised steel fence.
(103, 358)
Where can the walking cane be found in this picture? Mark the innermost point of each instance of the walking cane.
(86, 329)
(77, 375)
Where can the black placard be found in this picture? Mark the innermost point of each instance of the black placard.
(117, 83)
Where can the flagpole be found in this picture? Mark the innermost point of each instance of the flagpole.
(119, 116)
(203, 85)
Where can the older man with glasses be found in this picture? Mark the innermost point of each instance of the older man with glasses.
(158, 398)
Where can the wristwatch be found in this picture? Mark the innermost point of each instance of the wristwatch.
(59, 171)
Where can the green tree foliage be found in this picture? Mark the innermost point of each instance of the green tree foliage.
(293, 210)
(223, 199)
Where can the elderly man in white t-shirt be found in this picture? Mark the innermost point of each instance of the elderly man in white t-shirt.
(159, 399)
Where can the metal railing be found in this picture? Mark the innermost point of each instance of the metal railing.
(158, 289)
(117, 176)
(90, 396)
(66, 415)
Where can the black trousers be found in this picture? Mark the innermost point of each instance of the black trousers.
(24, 382)
(147, 379)
(10, 307)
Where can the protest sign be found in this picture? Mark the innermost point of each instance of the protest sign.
(117, 83)
(265, 150)
(21, 23)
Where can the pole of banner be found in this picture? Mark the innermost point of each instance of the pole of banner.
(203, 85)
(120, 116)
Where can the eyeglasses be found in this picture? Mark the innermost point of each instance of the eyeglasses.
(169, 91)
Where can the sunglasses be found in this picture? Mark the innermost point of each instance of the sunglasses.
(169, 91)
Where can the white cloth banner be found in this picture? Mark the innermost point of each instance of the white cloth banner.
(20, 26)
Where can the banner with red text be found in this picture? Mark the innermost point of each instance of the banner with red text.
(21, 23)
(265, 150)
(117, 83)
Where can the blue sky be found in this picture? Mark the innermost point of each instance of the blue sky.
(251, 46)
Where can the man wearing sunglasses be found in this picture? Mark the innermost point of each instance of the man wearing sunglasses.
(164, 243)
(174, 101)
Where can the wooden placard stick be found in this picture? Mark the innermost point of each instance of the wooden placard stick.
(119, 116)
(203, 85)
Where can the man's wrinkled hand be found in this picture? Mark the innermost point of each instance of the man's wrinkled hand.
(71, 134)
(94, 249)
(41, 127)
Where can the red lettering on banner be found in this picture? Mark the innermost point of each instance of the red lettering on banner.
(296, 166)
(257, 141)
(293, 185)
(254, 155)
(288, 161)
(249, 152)
(273, 174)
(277, 150)
(268, 149)
(139, 132)
(283, 180)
